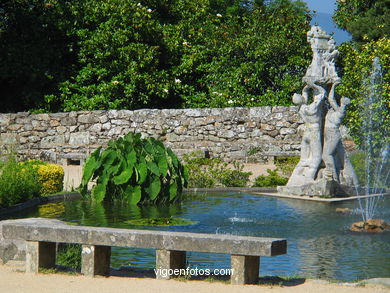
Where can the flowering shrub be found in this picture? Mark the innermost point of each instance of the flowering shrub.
(18, 182)
(51, 177)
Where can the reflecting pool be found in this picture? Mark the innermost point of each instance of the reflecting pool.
(319, 243)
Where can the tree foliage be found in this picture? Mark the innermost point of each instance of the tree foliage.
(366, 20)
(369, 90)
(35, 52)
(111, 54)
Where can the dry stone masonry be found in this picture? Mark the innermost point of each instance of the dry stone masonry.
(229, 133)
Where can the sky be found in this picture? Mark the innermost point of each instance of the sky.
(323, 17)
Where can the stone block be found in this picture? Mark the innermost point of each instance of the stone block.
(68, 121)
(52, 141)
(9, 138)
(40, 255)
(257, 113)
(79, 138)
(245, 269)
(4, 119)
(95, 260)
(193, 112)
(169, 260)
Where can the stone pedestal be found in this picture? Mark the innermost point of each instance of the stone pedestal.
(245, 269)
(40, 255)
(169, 260)
(326, 189)
(95, 260)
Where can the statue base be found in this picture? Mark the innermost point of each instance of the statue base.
(325, 188)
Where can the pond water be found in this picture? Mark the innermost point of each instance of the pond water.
(319, 243)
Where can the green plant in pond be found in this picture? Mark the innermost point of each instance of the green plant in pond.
(211, 172)
(136, 170)
(170, 221)
(273, 179)
(69, 255)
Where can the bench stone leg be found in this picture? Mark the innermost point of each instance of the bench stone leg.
(245, 269)
(95, 260)
(169, 260)
(40, 255)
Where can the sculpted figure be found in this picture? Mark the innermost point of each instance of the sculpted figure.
(330, 56)
(337, 163)
(311, 147)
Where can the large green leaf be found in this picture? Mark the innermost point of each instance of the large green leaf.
(163, 165)
(149, 147)
(99, 191)
(108, 157)
(175, 161)
(132, 158)
(142, 171)
(91, 165)
(133, 194)
(153, 168)
(123, 177)
(154, 189)
(172, 191)
(113, 170)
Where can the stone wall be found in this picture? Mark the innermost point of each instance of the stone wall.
(246, 134)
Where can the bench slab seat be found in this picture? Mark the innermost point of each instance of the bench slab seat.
(42, 234)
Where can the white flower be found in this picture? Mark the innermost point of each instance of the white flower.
(185, 43)
(177, 80)
(139, 4)
(230, 102)
(149, 10)
(166, 91)
(219, 15)
(115, 82)
(252, 99)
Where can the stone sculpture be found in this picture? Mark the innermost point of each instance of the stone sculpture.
(324, 168)
(311, 148)
(338, 166)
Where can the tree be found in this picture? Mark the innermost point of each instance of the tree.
(35, 52)
(162, 54)
(111, 54)
(366, 80)
(366, 20)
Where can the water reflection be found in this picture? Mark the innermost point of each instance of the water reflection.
(319, 243)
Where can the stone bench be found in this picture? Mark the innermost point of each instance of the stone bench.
(41, 236)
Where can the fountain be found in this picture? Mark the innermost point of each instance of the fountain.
(376, 177)
(324, 169)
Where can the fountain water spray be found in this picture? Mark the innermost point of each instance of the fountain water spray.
(372, 112)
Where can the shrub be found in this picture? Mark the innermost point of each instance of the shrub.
(203, 172)
(211, 172)
(136, 170)
(18, 182)
(273, 179)
(235, 177)
(286, 164)
(50, 176)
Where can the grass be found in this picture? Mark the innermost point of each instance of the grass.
(58, 270)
